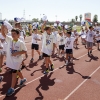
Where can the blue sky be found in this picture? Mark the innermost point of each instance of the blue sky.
(64, 9)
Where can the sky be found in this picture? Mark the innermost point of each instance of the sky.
(65, 10)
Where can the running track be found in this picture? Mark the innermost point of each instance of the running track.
(80, 81)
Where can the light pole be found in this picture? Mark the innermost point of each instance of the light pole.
(29, 17)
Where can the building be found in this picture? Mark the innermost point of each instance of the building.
(0, 16)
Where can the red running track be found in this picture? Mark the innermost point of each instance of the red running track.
(78, 81)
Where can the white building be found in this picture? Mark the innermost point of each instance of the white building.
(0, 16)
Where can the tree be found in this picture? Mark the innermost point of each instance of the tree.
(80, 18)
(76, 18)
(35, 19)
(95, 18)
(72, 20)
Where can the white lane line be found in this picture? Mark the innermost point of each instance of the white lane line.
(43, 75)
(81, 84)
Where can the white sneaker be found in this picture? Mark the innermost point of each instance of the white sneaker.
(66, 63)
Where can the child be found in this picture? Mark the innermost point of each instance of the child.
(69, 42)
(90, 39)
(61, 41)
(15, 49)
(97, 39)
(75, 35)
(35, 44)
(48, 46)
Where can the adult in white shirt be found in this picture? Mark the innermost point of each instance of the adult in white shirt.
(48, 45)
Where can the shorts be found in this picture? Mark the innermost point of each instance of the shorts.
(15, 71)
(98, 41)
(61, 47)
(46, 55)
(89, 44)
(35, 46)
(3, 53)
(69, 51)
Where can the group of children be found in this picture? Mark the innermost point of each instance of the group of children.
(13, 47)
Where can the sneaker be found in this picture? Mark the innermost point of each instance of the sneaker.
(10, 92)
(31, 60)
(22, 82)
(1, 78)
(52, 67)
(0, 70)
(40, 57)
(46, 72)
(66, 63)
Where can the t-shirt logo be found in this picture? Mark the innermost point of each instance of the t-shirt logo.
(12, 51)
(68, 42)
(90, 35)
(48, 42)
(61, 40)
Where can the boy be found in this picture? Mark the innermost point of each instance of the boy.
(48, 46)
(69, 42)
(90, 39)
(15, 49)
(35, 44)
(61, 41)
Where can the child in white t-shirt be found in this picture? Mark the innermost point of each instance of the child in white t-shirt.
(61, 42)
(35, 44)
(48, 46)
(90, 39)
(69, 42)
(76, 36)
(15, 49)
(98, 38)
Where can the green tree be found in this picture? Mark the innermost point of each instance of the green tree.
(95, 18)
(80, 18)
(72, 20)
(76, 18)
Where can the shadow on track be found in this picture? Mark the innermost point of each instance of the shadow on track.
(45, 82)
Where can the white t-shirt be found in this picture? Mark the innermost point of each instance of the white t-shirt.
(22, 33)
(97, 36)
(83, 35)
(55, 34)
(61, 40)
(35, 36)
(47, 43)
(69, 42)
(21, 38)
(14, 62)
(75, 35)
(89, 36)
(3, 42)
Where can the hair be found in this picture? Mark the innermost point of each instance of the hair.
(90, 27)
(47, 28)
(17, 23)
(15, 30)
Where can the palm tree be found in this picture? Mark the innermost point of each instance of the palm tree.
(80, 18)
(95, 18)
(72, 20)
(76, 18)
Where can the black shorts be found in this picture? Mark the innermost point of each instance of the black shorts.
(45, 55)
(69, 51)
(15, 71)
(98, 41)
(61, 47)
(35, 46)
